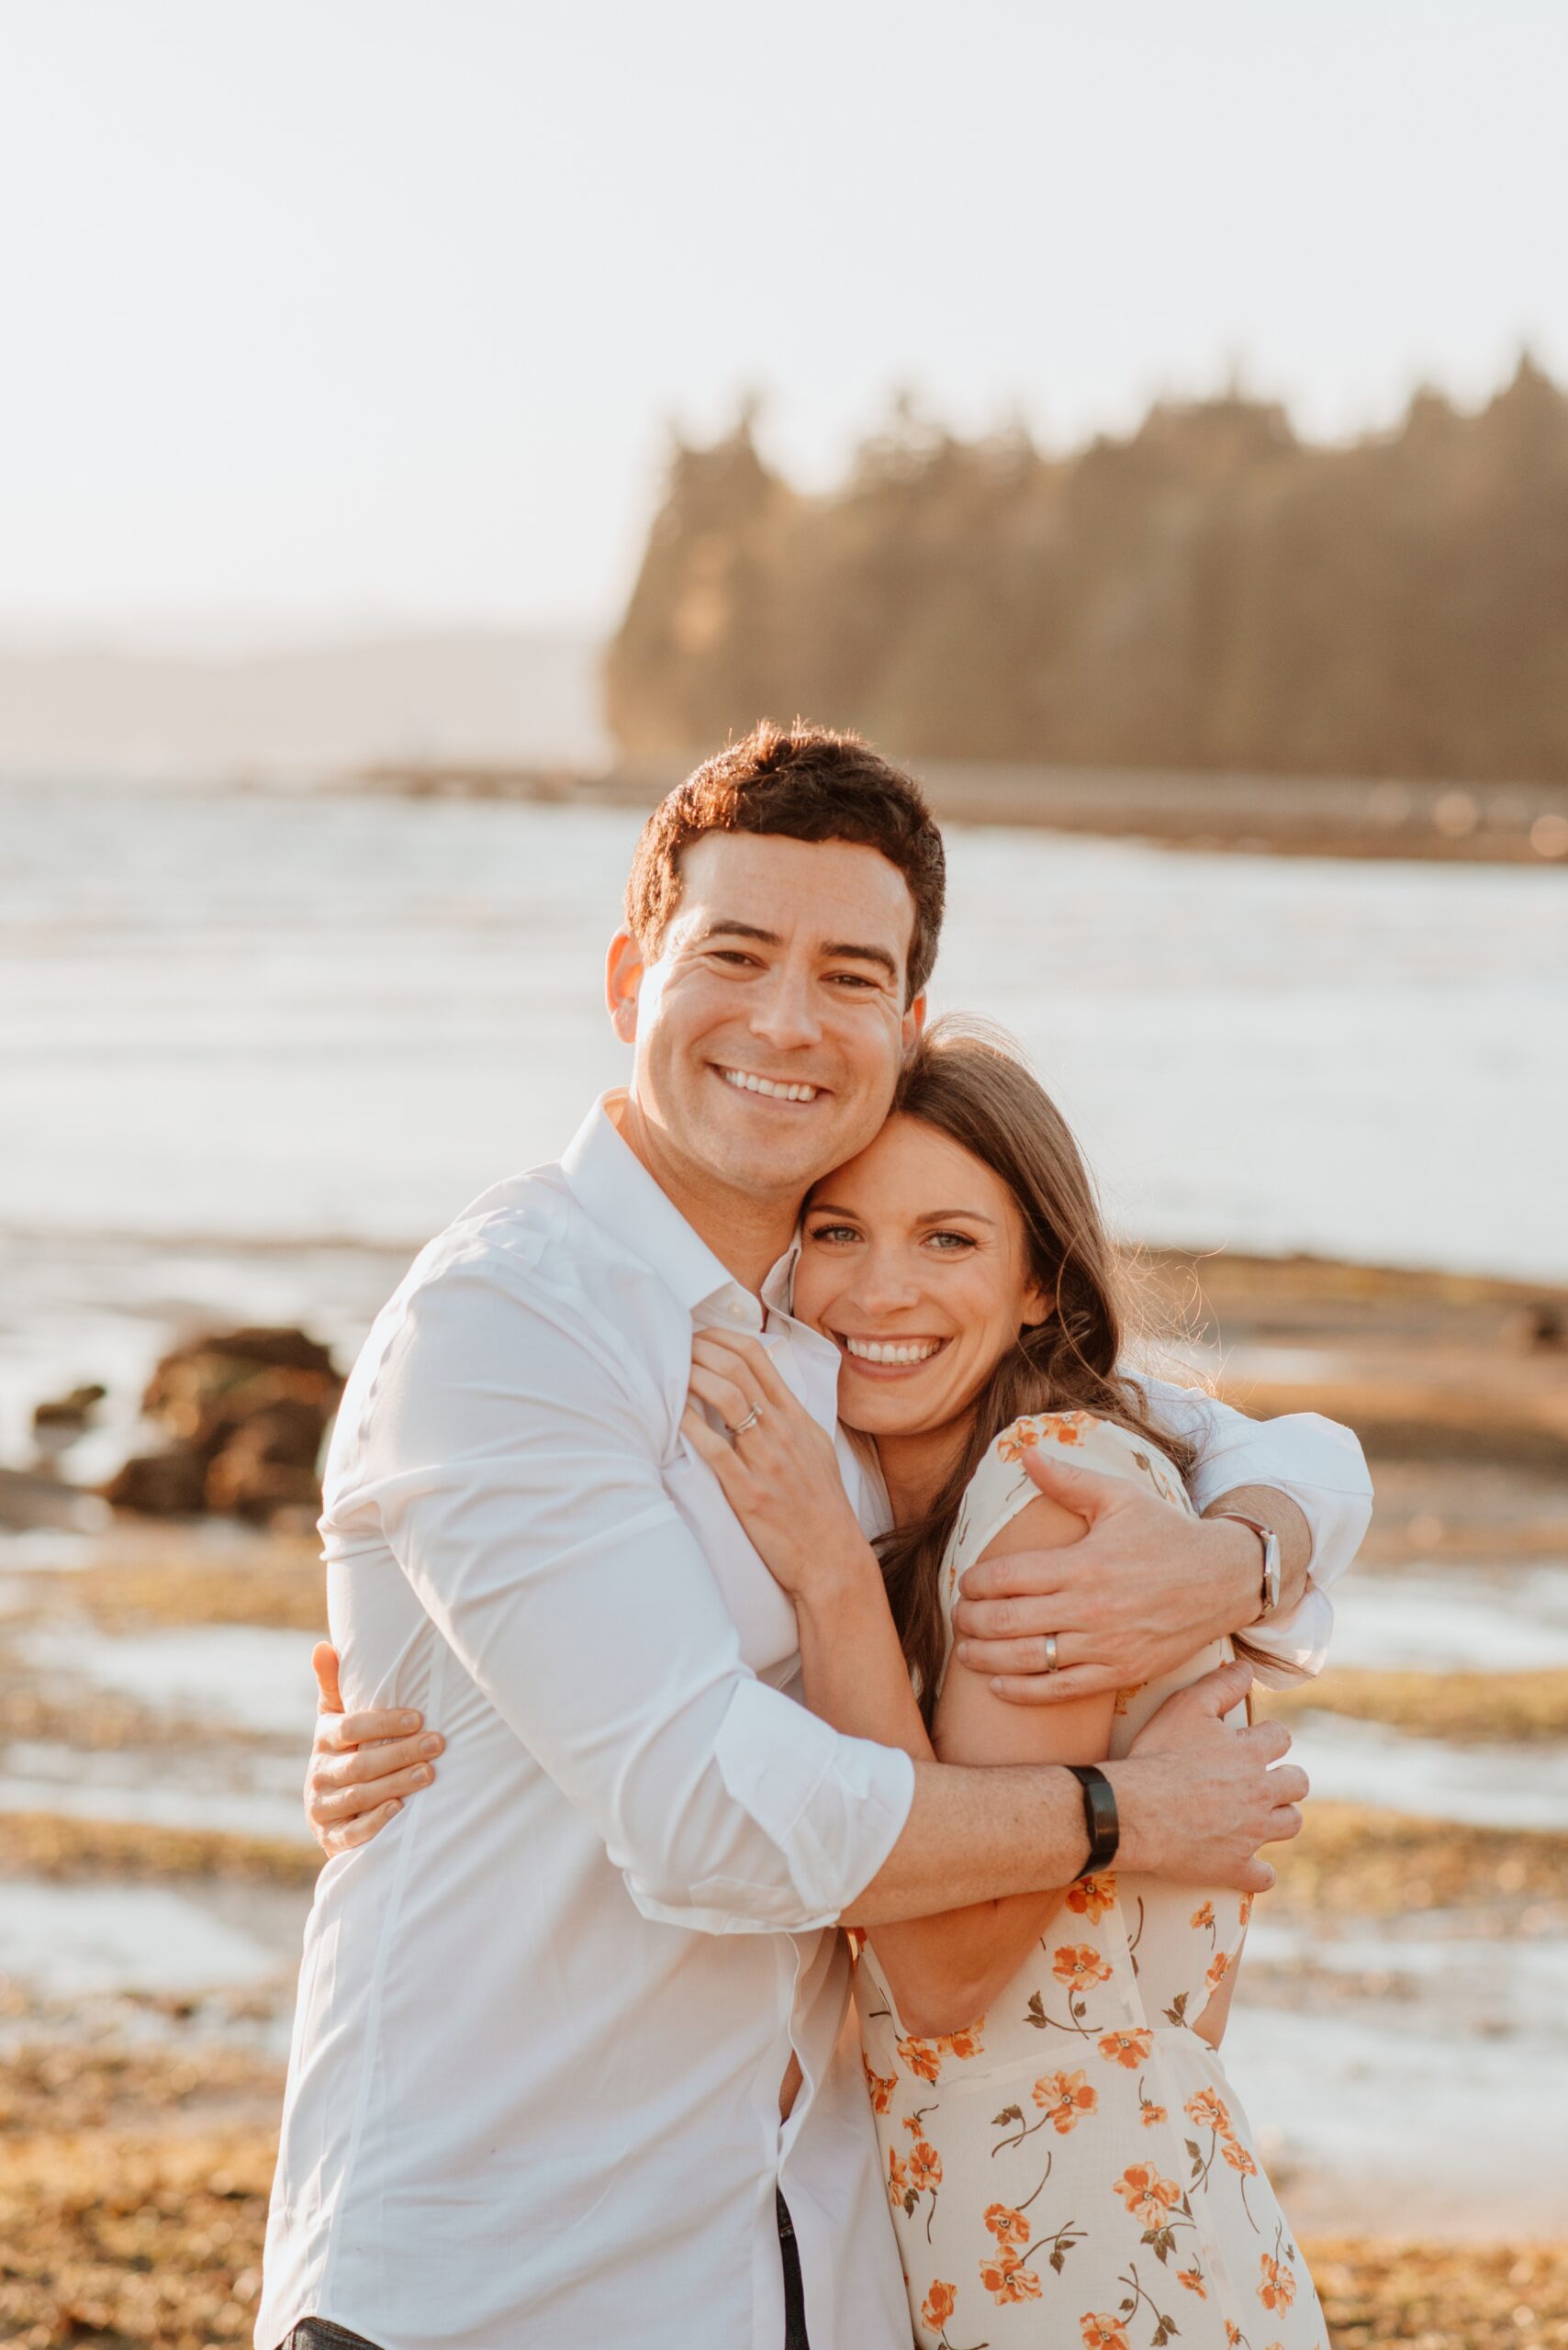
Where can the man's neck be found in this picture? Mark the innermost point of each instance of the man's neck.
(747, 1236)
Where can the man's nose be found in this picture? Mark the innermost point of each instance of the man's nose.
(783, 1011)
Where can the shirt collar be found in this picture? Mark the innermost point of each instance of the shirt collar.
(613, 1187)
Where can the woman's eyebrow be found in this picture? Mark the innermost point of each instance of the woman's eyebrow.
(956, 1215)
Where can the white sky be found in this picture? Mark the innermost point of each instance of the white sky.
(321, 311)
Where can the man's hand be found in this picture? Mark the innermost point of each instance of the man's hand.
(361, 1765)
(1197, 1798)
(1145, 1588)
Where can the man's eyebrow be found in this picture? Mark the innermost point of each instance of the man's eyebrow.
(722, 926)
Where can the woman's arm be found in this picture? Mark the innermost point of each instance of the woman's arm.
(945, 1971)
(782, 1479)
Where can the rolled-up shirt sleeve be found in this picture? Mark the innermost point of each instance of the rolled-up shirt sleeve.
(1323, 1468)
(515, 1476)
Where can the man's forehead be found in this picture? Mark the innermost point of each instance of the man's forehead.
(784, 886)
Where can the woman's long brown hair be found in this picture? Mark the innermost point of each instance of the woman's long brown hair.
(968, 1082)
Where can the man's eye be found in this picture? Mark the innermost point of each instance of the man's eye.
(851, 979)
(833, 1232)
(732, 955)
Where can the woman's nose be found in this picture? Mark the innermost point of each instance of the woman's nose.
(884, 1286)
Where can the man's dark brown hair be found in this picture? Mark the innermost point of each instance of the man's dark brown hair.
(809, 784)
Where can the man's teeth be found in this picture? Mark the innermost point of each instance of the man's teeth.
(749, 1084)
(892, 1350)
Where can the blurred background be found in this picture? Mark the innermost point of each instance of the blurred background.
(428, 430)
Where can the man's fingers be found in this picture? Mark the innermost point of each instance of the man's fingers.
(1270, 1740)
(324, 1660)
(1032, 1574)
(1255, 1876)
(1082, 1490)
(1024, 1614)
(1289, 1784)
(1284, 1823)
(1054, 1688)
(1019, 1654)
(335, 1733)
(1217, 1693)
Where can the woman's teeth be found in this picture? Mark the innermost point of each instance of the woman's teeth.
(741, 1078)
(891, 1350)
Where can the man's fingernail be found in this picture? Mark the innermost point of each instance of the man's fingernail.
(962, 1652)
(408, 1721)
(431, 1745)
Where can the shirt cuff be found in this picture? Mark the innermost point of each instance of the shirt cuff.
(1299, 1641)
(830, 1807)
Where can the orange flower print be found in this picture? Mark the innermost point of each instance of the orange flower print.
(1219, 1968)
(881, 2088)
(1147, 2196)
(1008, 2226)
(1092, 1896)
(1006, 2279)
(1129, 2048)
(1019, 1439)
(963, 2044)
(924, 2167)
(938, 2306)
(1193, 2280)
(1067, 1428)
(1232, 2334)
(1101, 2333)
(1066, 2097)
(1079, 1964)
(1150, 2114)
(1246, 1901)
(920, 2056)
(1201, 1917)
(1276, 2286)
(1237, 2156)
(898, 2177)
(1209, 2112)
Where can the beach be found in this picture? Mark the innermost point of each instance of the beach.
(256, 1049)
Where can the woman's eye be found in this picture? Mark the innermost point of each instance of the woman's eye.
(949, 1243)
(831, 1232)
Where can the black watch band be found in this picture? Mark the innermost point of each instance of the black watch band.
(1099, 1816)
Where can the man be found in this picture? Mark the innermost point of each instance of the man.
(571, 2035)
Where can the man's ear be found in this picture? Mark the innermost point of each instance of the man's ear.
(623, 984)
(913, 1024)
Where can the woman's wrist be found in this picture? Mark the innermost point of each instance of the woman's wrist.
(840, 1580)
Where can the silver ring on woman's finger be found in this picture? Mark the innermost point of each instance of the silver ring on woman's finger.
(1053, 1662)
(750, 1421)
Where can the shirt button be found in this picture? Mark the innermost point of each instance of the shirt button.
(736, 1311)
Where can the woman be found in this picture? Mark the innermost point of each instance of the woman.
(1061, 2145)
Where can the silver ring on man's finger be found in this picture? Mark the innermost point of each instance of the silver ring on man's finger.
(1053, 1662)
(750, 1421)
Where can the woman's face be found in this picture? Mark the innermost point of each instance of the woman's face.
(913, 1260)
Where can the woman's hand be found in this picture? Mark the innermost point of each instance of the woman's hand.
(778, 1467)
(361, 1765)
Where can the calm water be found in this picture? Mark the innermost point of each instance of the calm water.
(238, 1016)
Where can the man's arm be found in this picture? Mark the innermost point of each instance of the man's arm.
(517, 1488)
(1144, 1589)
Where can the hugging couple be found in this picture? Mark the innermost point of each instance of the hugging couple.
(820, 1926)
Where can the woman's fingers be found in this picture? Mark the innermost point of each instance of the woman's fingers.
(359, 1832)
(709, 1446)
(335, 1733)
(745, 1360)
(330, 1808)
(732, 1403)
(377, 1760)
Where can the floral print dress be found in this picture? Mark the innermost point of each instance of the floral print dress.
(1075, 2166)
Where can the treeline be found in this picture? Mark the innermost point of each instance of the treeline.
(1213, 593)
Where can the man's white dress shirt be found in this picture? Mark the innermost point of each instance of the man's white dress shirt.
(543, 2016)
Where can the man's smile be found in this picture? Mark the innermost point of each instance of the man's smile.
(771, 1089)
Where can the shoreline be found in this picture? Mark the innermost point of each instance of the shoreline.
(1356, 818)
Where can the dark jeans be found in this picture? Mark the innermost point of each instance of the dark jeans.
(316, 2334)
